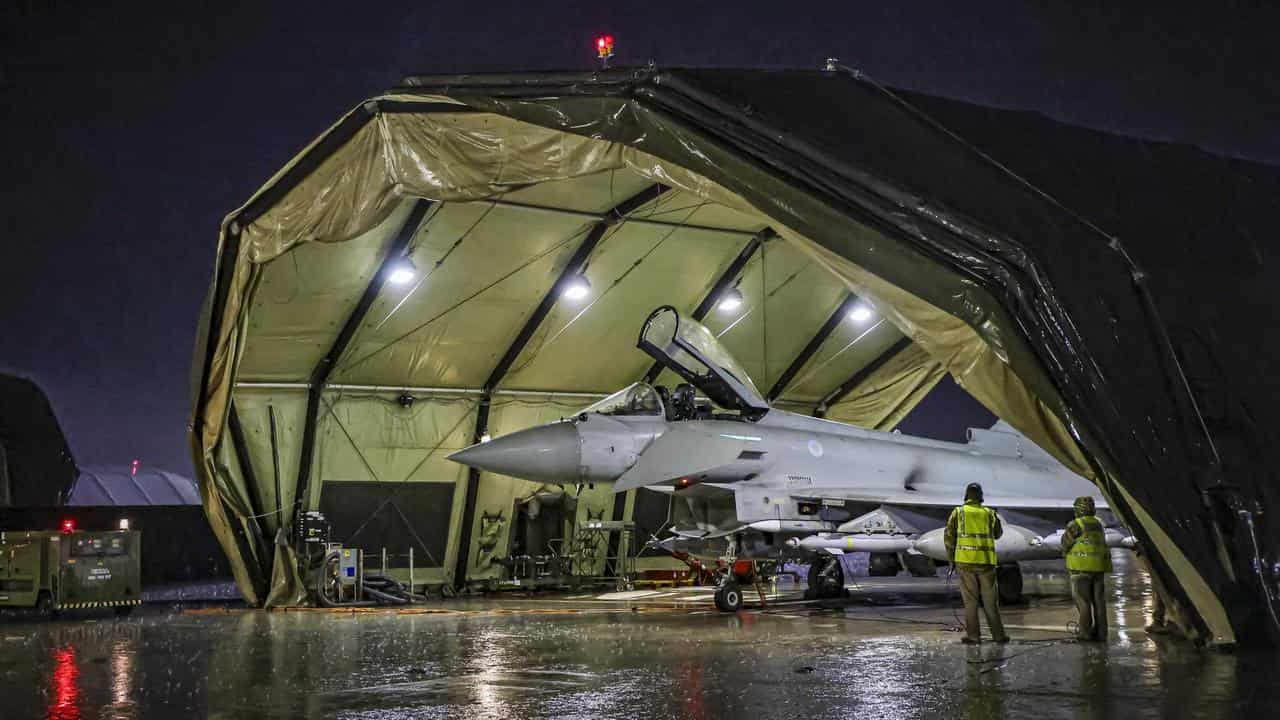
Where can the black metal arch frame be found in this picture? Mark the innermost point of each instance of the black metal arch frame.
(580, 256)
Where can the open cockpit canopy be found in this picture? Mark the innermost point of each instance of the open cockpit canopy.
(686, 347)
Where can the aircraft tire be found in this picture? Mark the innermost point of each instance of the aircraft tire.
(920, 566)
(883, 565)
(1009, 584)
(728, 597)
(826, 578)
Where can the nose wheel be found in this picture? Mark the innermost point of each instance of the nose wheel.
(728, 596)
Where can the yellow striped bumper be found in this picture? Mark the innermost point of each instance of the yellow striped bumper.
(96, 604)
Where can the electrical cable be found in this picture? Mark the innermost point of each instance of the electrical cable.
(532, 350)
(623, 276)
(1042, 645)
(768, 294)
(427, 275)
(1257, 567)
(347, 366)
(818, 368)
(955, 609)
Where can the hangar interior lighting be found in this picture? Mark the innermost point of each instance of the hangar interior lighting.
(402, 273)
(124, 523)
(731, 300)
(577, 287)
(861, 313)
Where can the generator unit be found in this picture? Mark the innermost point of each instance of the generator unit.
(70, 569)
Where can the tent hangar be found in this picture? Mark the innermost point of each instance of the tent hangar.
(996, 246)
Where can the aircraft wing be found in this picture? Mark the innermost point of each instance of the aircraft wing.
(682, 451)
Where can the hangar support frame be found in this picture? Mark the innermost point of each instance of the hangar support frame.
(581, 256)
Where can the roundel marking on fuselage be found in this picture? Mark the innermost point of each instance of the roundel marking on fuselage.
(815, 448)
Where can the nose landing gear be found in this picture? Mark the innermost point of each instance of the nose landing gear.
(728, 597)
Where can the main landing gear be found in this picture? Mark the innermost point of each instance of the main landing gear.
(826, 578)
(883, 565)
(1009, 584)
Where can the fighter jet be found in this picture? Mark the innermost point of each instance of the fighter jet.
(751, 481)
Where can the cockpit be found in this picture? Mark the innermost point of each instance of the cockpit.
(639, 399)
(690, 350)
(713, 377)
(645, 400)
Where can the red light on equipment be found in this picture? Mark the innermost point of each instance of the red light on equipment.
(604, 47)
(68, 525)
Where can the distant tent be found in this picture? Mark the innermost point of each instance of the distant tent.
(108, 485)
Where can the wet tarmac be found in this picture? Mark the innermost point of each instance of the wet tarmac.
(890, 651)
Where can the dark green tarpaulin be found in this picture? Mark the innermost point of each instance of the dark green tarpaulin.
(36, 467)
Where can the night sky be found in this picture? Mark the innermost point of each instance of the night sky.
(129, 132)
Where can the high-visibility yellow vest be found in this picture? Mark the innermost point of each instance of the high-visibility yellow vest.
(975, 543)
(1089, 553)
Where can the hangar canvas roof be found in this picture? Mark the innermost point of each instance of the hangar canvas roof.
(802, 189)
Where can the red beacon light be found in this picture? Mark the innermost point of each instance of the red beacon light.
(68, 525)
(604, 48)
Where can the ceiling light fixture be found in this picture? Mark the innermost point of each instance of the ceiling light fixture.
(577, 287)
(860, 313)
(731, 300)
(402, 273)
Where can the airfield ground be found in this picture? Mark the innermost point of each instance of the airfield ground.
(890, 651)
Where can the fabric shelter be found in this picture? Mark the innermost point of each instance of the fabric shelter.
(979, 238)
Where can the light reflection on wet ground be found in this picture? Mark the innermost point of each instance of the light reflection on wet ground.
(887, 653)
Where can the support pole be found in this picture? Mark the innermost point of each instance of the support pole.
(722, 283)
(320, 374)
(573, 267)
(812, 347)
(256, 503)
(859, 377)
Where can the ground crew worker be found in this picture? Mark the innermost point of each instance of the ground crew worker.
(1085, 545)
(970, 537)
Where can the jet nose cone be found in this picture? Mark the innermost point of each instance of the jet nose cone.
(547, 453)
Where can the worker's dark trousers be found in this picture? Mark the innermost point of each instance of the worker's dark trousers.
(975, 584)
(1086, 588)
